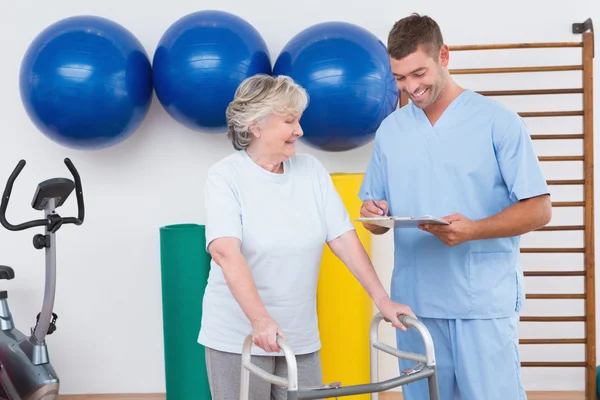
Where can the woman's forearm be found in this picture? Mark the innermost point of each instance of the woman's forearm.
(240, 282)
(350, 250)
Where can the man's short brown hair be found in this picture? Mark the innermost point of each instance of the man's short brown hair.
(410, 32)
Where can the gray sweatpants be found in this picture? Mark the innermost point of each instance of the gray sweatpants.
(224, 370)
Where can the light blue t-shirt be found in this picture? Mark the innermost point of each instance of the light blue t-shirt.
(476, 160)
(283, 222)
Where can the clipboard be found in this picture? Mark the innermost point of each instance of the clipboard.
(402, 222)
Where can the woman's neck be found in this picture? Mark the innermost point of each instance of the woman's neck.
(270, 164)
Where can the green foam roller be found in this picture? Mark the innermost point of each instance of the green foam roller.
(185, 265)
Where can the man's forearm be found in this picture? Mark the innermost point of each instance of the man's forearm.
(518, 219)
(350, 250)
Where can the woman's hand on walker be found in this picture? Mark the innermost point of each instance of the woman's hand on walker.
(264, 333)
(391, 310)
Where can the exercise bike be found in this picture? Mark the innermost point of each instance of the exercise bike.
(26, 372)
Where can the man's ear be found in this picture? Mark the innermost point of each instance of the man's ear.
(444, 55)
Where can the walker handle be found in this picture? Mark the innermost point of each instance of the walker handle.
(410, 322)
(292, 380)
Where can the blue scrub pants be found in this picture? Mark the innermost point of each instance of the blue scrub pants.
(476, 359)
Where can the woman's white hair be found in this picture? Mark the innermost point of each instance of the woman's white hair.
(256, 98)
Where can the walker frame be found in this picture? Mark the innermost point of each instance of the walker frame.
(424, 369)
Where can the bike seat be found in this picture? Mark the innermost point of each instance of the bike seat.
(6, 272)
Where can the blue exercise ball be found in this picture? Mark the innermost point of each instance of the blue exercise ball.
(199, 63)
(346, 72)
(86, 82)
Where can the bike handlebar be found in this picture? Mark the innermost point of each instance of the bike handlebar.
(78, 195)
(40, 222)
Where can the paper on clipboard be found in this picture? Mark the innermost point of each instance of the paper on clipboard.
(403, 222)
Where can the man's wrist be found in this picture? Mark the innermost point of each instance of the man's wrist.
(477, 230)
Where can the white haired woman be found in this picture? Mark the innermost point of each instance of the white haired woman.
(269, 212)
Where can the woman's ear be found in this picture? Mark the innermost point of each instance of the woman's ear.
(255, 129)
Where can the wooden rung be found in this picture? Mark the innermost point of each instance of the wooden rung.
(532, 92)
(573, 113)
(568, 204)
(561, 158)
(561, 228)
(558, 136)
(509, 70)
(554, 273)
(505, 46)
(552, 250)
(552, 341)
(565, 182)
(553, 364)
(552, 319)
(554, 296)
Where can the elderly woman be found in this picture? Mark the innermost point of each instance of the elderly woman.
(269, 212)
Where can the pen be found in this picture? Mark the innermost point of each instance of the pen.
(374, 202)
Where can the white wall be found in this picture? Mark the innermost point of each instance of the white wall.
(113, 342)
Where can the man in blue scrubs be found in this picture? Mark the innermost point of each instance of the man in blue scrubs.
(455, 154)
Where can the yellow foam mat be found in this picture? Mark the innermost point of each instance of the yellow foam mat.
(344, 308)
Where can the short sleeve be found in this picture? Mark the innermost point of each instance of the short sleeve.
(373, 183)
(337, 218)
(518, 162)
(223, 209)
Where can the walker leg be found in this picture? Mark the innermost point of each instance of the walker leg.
(245, 374)
(374, 356)
(374, 371)
(245, 386)
(434, 391)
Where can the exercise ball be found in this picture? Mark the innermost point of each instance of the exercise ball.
(86, 82)
(200, 61)
(346, 72)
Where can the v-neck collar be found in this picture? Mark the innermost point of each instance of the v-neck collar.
(435, 128)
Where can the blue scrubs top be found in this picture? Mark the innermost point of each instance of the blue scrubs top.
(476, 160)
